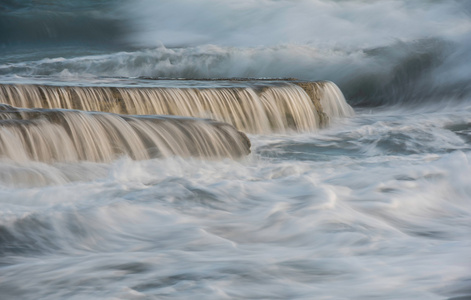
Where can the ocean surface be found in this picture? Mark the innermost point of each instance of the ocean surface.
(251, 189)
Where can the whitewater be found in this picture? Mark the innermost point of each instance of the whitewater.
(296, 149)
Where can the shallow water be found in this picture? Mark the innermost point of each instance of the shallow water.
(328, 214)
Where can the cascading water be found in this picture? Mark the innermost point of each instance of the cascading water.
(68, 136)
(302, 106)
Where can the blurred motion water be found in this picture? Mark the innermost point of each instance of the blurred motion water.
(101, 197)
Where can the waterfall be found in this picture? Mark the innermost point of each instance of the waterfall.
(58, 135)
(256, 108)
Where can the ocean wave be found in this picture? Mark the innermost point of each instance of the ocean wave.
(398, 73)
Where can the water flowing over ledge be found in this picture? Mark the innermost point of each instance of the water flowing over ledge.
(254, 108)
(51, 135)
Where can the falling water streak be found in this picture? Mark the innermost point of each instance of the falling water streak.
(64, 135)
(302, 106)
(334, 102)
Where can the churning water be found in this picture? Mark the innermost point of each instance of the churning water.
(152, 150)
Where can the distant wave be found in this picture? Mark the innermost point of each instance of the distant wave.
(398, 73)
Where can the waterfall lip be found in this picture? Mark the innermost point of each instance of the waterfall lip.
(40, 112)
(150, 82)
(158, 82)
(7, 108)
(173, 83)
